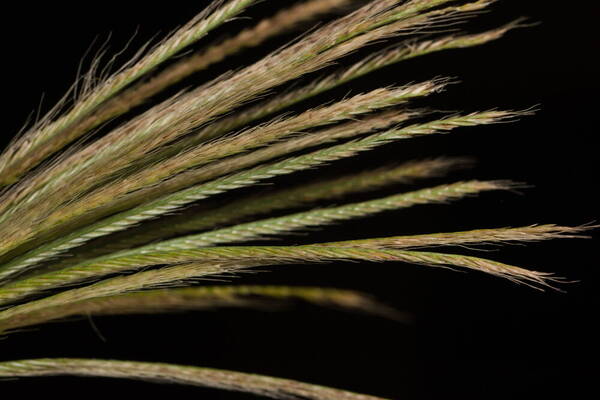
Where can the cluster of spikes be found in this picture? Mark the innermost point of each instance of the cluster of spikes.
(105, 221)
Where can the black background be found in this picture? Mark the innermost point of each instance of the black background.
(473, 336)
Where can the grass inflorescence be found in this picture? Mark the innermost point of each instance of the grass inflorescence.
(111, 225)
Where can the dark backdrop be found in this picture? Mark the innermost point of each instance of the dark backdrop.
(473, 336)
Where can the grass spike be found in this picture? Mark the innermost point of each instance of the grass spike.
(232, 257)
(325, 216)
(40, 142)
(264, 135)
(532, 233)
(411, 49)
(180, 115)
(105, 219)
(328, 189)
(276, 388)
(180, 199)
(201, 298)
